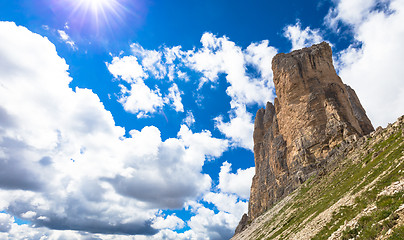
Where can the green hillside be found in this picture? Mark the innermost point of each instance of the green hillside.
(358, 195)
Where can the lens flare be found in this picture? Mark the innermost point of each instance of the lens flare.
(99, 13)
(96, 5)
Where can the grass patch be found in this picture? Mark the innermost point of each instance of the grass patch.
(368, 227)
(319, 193)
(398, 234)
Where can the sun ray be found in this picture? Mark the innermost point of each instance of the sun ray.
(98, 12)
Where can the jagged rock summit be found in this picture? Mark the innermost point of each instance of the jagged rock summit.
(313, 113)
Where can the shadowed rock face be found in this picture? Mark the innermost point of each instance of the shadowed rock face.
(313, 112)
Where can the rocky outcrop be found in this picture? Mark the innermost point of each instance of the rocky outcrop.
(313, 112)
(359, 194)
(242, 224)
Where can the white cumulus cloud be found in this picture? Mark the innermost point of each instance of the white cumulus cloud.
(64, 164)
(6, 222)
(137, 69)
(238, 183)
(208, 224)
(301, 38)
(219, 55)
(248, 72)
(372, 64)
(189, 119)
(229, 201)
(127, 68)
(140, 99)
(171, 222)
(240, 128)
(174, 98)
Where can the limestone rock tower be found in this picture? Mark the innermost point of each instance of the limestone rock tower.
(313, 112)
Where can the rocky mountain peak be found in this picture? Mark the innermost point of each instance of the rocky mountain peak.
(313, 112)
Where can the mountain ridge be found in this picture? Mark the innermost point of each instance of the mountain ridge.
(313, 112)
(315, 121)
(358, 195)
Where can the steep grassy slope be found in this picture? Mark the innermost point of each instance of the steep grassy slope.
(359, 195)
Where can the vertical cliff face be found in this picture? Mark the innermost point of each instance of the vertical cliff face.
(313, 112)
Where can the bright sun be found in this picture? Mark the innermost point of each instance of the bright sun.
(101, 11)
(96, 5)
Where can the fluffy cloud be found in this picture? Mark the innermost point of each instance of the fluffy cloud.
(135, 70)
(150, 180)
(201, 143)
(127, 68)
(260, 56)
(350, 12)
(174, 97)
(189, 119)
(247, 71)
(15, 231)
(220, 55)
(301, 38)
(5, 222)
(206, 224)
(140, 99)
(238, 183)
(170, 222)
(24, 231)
(152, 60)
(230, 204)
(220, 224)
(372, 64)
(240, 127)
(65, 164)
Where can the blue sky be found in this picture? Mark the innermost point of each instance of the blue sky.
(133, 119)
